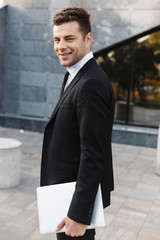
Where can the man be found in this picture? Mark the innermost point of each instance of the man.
(77, 139)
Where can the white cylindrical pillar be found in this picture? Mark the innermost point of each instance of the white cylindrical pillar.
(10, 162)
(158, 154)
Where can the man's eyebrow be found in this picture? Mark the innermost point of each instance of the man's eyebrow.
(67, 36)
(71, 35)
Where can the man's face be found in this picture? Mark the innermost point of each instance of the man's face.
(69, 43)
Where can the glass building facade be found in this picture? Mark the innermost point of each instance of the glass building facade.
(133, 67)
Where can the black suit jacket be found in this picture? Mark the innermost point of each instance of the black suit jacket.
(77, 140)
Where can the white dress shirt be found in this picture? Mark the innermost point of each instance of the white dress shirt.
(75, 68)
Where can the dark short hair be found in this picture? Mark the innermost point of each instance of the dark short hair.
(77, 14)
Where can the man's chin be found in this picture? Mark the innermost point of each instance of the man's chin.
(65, 63)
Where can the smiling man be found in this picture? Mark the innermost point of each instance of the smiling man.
(77, 139)
(71, 46)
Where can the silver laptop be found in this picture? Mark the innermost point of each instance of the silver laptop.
(53, 204)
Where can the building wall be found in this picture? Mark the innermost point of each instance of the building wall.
(2, 50)
(32, 73)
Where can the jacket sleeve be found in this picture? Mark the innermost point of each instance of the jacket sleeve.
(93, 113)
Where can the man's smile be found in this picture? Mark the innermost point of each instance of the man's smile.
(65, 55)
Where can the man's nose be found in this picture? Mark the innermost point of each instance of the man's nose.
(62, 44)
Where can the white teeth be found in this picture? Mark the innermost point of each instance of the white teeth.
(65, 54)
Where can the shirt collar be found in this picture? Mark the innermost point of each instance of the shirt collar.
(73, 70)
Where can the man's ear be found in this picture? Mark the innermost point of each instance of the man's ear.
(88, 39)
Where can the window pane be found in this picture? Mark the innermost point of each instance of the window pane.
(134, 71)
(145, 93)
(116, 64)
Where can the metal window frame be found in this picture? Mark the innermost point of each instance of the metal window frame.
(122, 43)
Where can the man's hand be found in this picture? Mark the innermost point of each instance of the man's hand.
(72, 228)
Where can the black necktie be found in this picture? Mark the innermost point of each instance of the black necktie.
(64, 83)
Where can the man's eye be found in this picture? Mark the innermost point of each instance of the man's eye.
(69, 39)
(56, 40)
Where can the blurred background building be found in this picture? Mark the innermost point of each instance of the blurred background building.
(126, 44)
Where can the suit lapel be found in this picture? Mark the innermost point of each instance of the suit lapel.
(71, 85)
(64, 95)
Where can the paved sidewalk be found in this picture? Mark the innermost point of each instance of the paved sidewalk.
(133, 215)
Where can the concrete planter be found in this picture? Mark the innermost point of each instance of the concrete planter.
(10, 162)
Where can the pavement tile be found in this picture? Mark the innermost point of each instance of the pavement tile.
(99, 233)
(129, 180)
(149, 234)
(116, 203)
(138, 205)
(132, 220)
(4, 195)
(134, 213)
(118, 172)
(7, 213)
(13, 232)
(33, 206)
(148, 151)
(19, 227)
(153, 219)
(125, 190)
(35, 235)
(27, 217)
(158, 199)
(150, 179)
(145, 157)
(116, 233)
(108, 218)
(19, 200)
(145, 192)
(139, 164)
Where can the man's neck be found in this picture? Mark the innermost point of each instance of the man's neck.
(76, 67)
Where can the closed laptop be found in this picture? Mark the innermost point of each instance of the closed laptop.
(53, 204)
